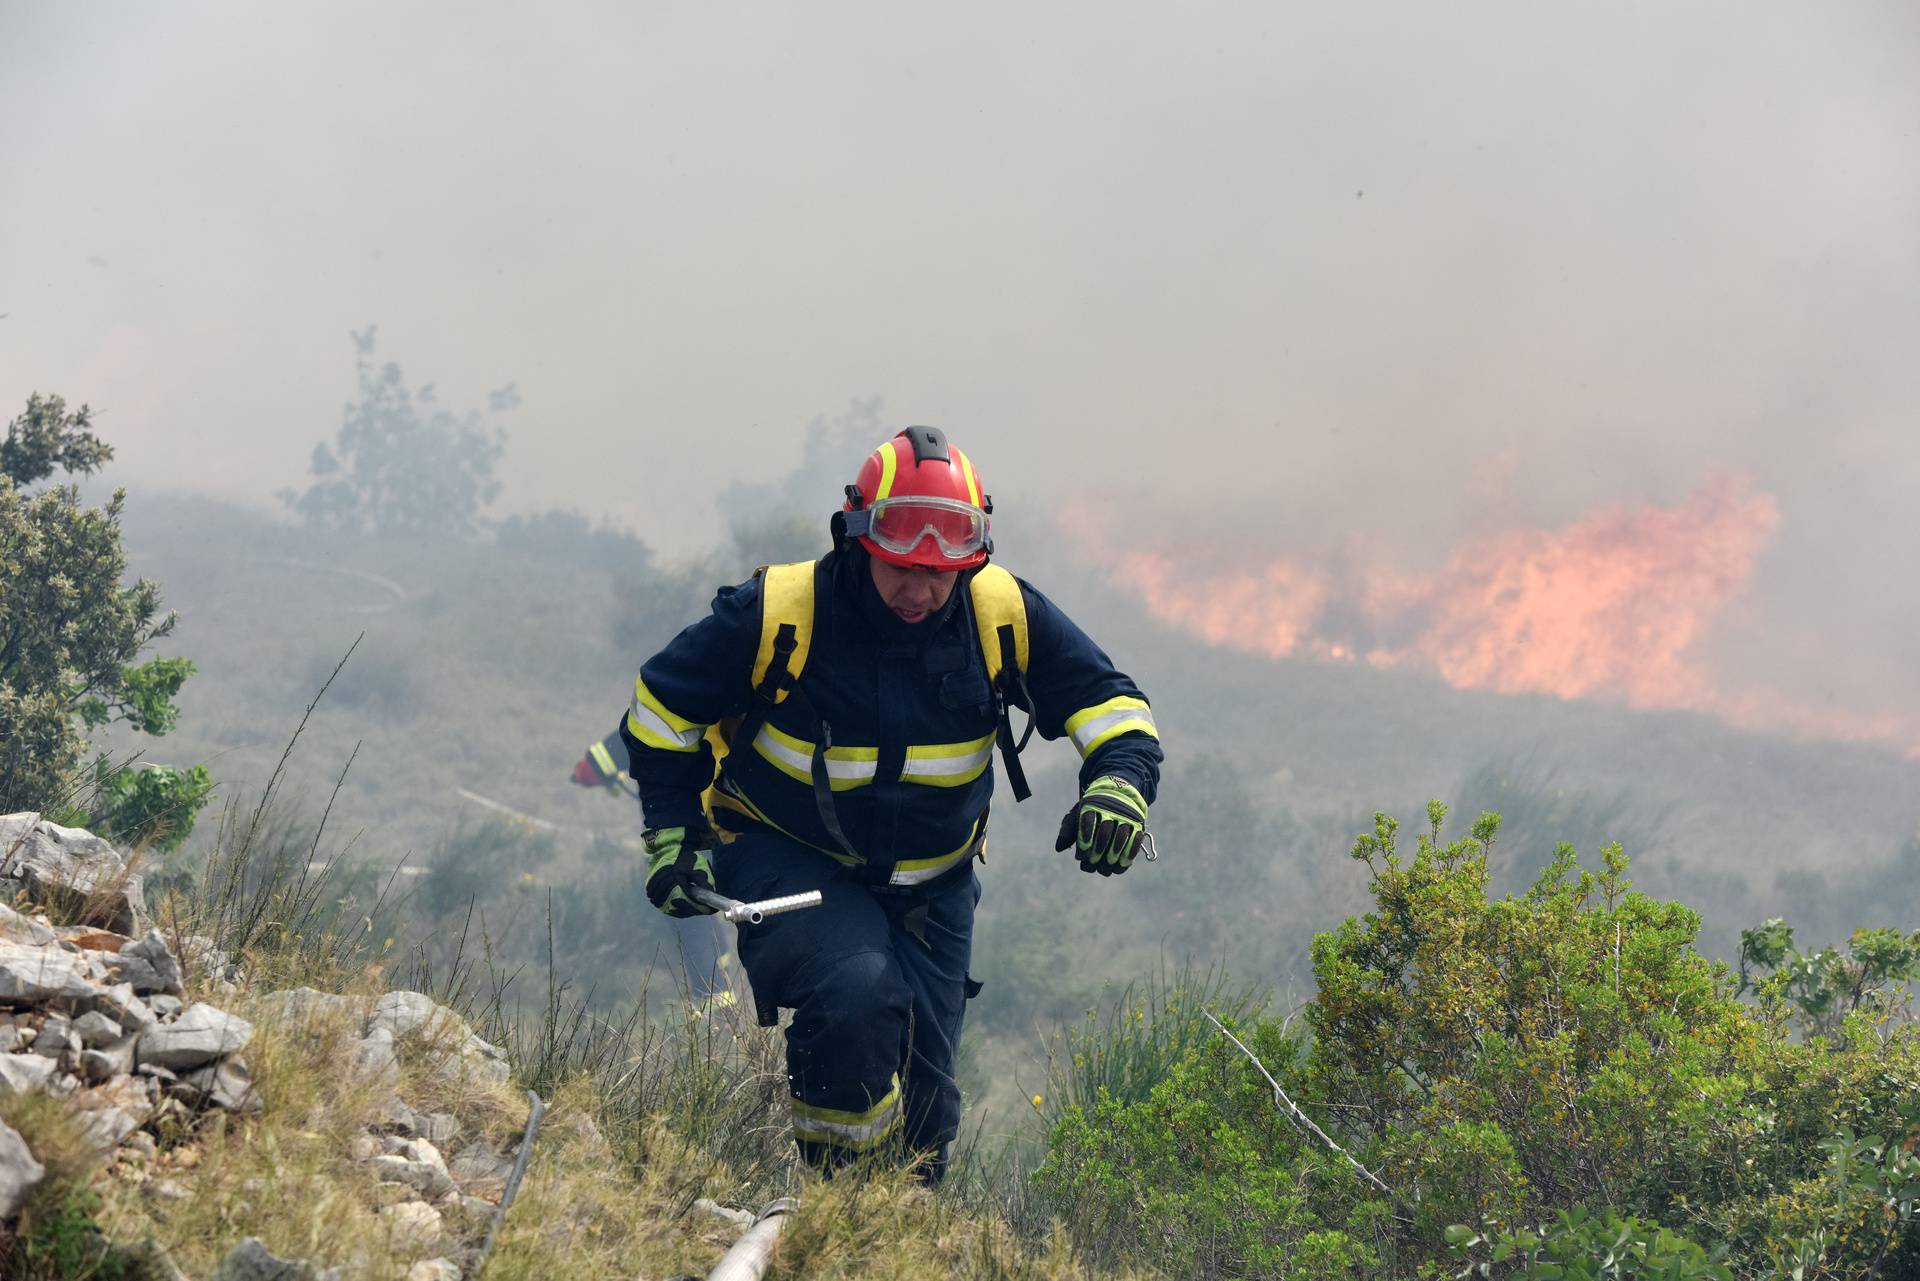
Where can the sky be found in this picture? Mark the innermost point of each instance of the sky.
(1249, 280)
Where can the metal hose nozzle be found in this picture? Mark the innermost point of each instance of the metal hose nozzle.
(733, 910)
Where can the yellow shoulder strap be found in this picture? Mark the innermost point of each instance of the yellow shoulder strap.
(786, 596)
(997, 603)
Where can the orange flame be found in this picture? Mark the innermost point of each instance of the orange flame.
(1267, 611)
(1612, 607)
(1609, 607)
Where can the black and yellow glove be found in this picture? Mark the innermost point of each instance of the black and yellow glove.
(677, 864)
(1107, 828)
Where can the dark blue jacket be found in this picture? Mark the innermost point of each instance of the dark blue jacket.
(911, 715)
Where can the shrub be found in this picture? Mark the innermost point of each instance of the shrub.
(70, 632)
(1496, 1062)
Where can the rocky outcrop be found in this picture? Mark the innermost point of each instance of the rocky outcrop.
(388, 1022)
(96, 1015)
(72, 1027)
(47, 863)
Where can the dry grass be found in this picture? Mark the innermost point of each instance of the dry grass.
(649, 1114)
(889, 1228)
(287, 1176)
(610, 1215)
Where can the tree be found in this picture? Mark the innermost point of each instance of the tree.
(47, 438)
(70, 634)
(402, 464)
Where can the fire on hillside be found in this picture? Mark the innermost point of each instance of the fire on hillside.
(1610, 607)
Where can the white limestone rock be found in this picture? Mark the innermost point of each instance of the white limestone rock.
(151, 965)
(42, 975)
(413, 1225)
(201, 1034)
(47, 860)
(19, 1172)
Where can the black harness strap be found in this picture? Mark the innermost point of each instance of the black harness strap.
(778, 677)
(823, 789)
(1011, 677)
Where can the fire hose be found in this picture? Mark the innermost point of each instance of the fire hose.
(536, 1109)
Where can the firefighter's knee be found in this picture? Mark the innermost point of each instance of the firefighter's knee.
(849, 1032)
(864, 990)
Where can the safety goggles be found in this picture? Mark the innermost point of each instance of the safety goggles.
(901, 524)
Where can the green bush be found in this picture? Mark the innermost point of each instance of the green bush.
(148, 805)
(1498, 1062)
(1578, 1246)
(69, 635)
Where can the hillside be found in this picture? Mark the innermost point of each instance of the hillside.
(482, 675)
(489, 672)
(170, 1111)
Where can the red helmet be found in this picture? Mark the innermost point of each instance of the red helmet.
(918, 501)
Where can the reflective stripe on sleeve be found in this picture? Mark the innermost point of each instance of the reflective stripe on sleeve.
(603, 759)
(654, 725)
(1092, 726)
(855, 1130)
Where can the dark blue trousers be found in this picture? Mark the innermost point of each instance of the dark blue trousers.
(877, 982)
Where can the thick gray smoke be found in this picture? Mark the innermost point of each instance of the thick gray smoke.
(1283, 280)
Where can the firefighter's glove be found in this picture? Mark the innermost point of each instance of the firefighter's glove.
(677, 862)
(1107, 828)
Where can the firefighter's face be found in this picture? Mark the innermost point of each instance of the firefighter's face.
(913, 594)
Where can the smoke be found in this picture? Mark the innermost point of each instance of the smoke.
(1615, 606)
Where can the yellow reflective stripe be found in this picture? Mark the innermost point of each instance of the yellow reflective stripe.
(948, 764)
(918, 871)
(786, 596)
(857, 1130)
(846, 766)
(888, 462)
(603, 759)
(650, 721)
(1092, 726)
(973, 482)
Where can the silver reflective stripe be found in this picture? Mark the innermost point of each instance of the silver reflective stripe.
(837, 768)
(948, 766)
(649, 719)
(1089, 734)
(811, 1126)
(920, 875)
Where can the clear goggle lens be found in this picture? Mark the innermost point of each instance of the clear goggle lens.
(901, 524)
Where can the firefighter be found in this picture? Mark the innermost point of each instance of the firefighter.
(703, 949)
(853, 704)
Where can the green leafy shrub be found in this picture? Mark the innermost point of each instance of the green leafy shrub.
(70, 632)
(148, 805)
(1578, 1246)
(1496, 1062)
(1825, 986)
